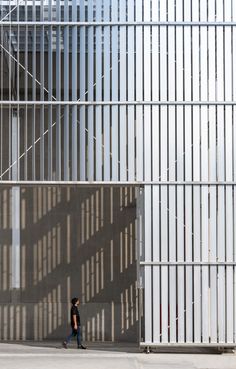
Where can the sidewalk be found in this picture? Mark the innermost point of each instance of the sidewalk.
(50, 355)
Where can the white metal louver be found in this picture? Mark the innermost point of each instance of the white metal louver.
(137, 92)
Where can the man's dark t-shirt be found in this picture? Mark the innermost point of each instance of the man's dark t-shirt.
(74, 311)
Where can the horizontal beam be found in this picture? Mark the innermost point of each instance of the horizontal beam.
(105, 23)
(187, 344)
(114, 103)
(188, 263)
(114, 183)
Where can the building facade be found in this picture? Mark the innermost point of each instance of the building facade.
(136, 99)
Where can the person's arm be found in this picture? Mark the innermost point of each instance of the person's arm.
(75, 321)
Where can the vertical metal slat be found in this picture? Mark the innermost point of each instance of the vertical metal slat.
(114, 117)
(66, 93)
(221, 177)
(107, 82)
(82, 90)
(212, 174)
(74, 93)
(131, 76)
(147, 176)
(155, 176)
(98, 109)
(188, 172)
(180, 193)
(90, 94)
(228, 171)
(172, 171)
(204, 173)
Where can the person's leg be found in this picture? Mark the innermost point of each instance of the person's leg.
(78, 337)
(79, 341)
(65, 343)
(68, 339)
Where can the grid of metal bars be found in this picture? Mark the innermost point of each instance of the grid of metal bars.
(138, 92)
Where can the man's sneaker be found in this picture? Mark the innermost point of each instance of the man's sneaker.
(82, 347)
(64, 344)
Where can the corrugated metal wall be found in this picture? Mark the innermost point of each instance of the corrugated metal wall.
(141, 90)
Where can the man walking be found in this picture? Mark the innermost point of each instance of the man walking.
(75, 324)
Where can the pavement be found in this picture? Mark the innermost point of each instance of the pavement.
(50, 355)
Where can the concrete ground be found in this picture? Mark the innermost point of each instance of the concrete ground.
(50, 355)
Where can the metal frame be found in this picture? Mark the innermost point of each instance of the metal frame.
(135, 103)
(115, 183)
(118, 23)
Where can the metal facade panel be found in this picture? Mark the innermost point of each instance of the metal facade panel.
(136, 91)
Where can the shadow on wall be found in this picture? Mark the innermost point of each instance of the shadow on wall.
(74, 242)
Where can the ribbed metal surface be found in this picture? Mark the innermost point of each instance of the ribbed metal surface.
(139, 92)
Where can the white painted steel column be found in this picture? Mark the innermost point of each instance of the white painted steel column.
(147, 176)
(26, 56)
(204, 173)
(114, 75)
(234, 158)
(82, 75)
(196, 175)
(107, 97)
(139, 92)
(50, 87)
(228, 172)
(212, 173)
(91, 143)
(33, 61)
(188, 173)
(58, 92)
(180, 174)
(172, 173)
(131, 97)
(220, 172)
(15, 208)
(164, 166)
(155, 176)
(98, 79)
(123, 96)
(66, 94)
(42, 58)
(74, 148)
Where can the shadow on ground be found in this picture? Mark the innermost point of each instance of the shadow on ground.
(121, 347)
